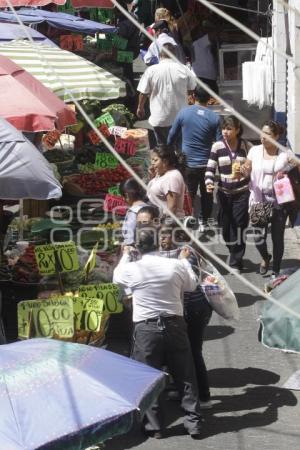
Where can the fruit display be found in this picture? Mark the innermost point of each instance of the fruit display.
(58, 156)
(25, 270)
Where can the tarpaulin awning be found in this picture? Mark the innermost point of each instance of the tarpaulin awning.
(27, 104)
(59, 20)
(62, 71)
(92, 4)
(24, 172)
(281, 328)
(11, 31)
(4, 3)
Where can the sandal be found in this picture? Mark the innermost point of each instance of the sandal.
(264, 265)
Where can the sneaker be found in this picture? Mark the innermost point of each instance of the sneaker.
(206, 405)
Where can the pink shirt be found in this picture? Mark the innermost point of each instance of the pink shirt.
(171, 181)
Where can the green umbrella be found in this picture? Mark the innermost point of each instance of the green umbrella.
(58, 69)
(280, 327)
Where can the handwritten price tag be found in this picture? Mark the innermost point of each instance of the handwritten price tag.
(105, 161)
(106, 119)
(125, 146)
(77, 43)
(61, 257)
(104, 44)
(124, 56)
(46, 318)
(113, 203)
(66, 42)
(115, 190)
(93, 137)
(87, 313)
(108, 292)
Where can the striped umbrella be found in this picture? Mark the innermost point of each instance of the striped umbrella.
(62, 71)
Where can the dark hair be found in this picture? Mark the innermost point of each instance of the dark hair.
(134, 190)
(150, 209)
(170, 47)
(146, 239)
(232, 121)
(161, 25)
(167, 153)
(201, 95)
(276, 127)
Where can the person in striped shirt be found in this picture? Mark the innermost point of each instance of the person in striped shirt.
(227, 156)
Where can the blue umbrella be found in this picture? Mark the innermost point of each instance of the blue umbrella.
(61, 396)
(13, 31)
(59, 20)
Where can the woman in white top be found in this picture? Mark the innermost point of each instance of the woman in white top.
(168, 183)
(263, 163)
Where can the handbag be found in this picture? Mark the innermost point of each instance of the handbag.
(260, 213)
(283, 190)
(218, 292)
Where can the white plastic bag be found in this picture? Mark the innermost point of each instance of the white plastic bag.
(217, 291)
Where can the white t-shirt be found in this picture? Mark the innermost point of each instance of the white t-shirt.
(171, 181)
(204, 64)
(167, 83)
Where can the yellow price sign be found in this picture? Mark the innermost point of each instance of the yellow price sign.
(108, 292)
(46, 318)
(61, 256)
(87, 313)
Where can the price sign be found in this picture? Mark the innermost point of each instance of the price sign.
(126, 146)
(105, 161)
(108, 292)
(87, 313)
(50, 138)
(104, 44)
(119, 42)
(46, 318)
(106, 119)
(104, 130)
(93, 137)
(124, 56)
(115, 203)
(61, 257)
(115, 190)
(117, 131)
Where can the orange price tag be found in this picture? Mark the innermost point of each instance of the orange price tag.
(77, 42)
(66, 42)
(50, 139)
(93, 137)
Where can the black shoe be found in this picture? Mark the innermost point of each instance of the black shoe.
(264, 265)
(153, 434)
(196, 434)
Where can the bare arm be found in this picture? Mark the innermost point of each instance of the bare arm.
(141, 106)
(172, 201)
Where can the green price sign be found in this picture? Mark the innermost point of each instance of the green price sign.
(87, 313)
(46, 318)
(115, 190)
(124, 56)
(105, 161)
(106, 119)
(119, 42)
(61, 257)
(108, 292)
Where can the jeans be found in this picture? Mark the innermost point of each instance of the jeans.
(234, 219)
(165, 342)
(194, 177)
(278, 221)
(197, 315)
(161, 134)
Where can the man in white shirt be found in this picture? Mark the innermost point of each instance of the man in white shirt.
(160, 334)
(167, 85)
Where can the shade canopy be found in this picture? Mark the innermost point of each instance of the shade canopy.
(4, 3)
(12, 31)
(64, 72)
(62, 396)
(281, 328)
(59, 20)
(27, 104)
(24, 172)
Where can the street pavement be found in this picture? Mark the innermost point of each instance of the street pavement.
(251, 409)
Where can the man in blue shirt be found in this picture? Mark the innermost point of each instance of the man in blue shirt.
(200, 128)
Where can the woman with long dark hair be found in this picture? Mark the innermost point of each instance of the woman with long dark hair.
(227, 156)
(168, 183)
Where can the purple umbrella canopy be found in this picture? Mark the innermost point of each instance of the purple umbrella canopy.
(61, 396)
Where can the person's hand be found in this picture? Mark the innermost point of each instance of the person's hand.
(245, 169)
(210, 188)
(151, 172)
(140, 112)
(185, 253)
(127, 249)
(280, 175)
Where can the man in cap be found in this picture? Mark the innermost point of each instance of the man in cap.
(161, 30)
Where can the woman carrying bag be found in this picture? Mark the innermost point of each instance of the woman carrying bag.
(266, 163)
